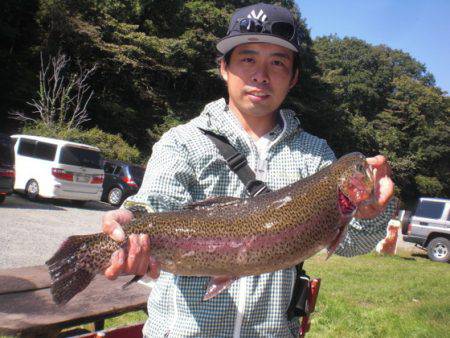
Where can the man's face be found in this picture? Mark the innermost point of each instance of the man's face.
(258, 76)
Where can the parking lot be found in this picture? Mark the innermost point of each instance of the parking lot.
(32, 231)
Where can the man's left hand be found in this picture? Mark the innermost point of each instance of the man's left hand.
(384, 188)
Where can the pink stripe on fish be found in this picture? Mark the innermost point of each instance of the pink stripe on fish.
(226, 245)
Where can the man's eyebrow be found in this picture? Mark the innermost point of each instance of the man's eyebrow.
(282, 55)
(248, 51)
(254, 52)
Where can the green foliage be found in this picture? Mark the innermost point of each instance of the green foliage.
(169, 121)
(156, 68)
(386, 103)
(111, 146)
(428, 186)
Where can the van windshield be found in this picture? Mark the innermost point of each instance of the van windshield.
(81, 157)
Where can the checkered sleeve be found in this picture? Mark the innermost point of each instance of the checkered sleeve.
(167, 178)
(363, 235)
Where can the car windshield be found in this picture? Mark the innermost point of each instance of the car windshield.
(80, 156)
(6, 157)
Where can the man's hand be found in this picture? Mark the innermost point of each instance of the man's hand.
(137, 261)
(384, 188)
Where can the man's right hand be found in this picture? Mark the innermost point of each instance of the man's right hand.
(137, 261)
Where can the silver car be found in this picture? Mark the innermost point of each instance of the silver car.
(429, 228)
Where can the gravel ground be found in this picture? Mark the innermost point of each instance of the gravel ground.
(30, 232)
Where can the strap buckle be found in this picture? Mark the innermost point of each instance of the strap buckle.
(237, 161)
(256, 187)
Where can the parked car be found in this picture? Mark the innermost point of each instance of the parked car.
(60, 169)
(429, 228)
(122, 179)
(7, 173)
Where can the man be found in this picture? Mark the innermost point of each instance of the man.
(259, 67)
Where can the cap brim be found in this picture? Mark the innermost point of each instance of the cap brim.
(228, 43)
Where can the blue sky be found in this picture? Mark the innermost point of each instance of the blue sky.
(418, 27)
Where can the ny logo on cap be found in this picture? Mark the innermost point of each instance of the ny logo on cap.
(257, 17)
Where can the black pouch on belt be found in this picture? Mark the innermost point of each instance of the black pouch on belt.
(297, 307)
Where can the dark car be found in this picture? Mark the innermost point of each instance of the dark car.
(7, 173)
(122, 179)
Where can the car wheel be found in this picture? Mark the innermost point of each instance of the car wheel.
(32, 190)
(438, 249)
(2, 198)
(115, 196)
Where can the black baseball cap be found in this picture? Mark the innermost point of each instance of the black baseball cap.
(261, 23)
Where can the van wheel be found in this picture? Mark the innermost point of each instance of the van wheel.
(438, 249)
(32, 190)
(115, 196)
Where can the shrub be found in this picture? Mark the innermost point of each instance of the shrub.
(428, 186)
(111, 146)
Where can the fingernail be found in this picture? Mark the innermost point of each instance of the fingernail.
(118, 235)
(143, 239)
(113, 256)
(121, 257)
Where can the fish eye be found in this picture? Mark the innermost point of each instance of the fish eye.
(359, 167)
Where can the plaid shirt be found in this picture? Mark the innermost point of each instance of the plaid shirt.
(186, 166)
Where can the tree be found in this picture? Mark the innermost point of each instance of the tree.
(62, 97)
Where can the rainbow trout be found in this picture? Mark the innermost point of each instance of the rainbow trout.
(227, 238)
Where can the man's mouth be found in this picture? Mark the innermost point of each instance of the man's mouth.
(258, 96)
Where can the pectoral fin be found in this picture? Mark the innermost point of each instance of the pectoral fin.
(339, 238)
(217, 285)
(133, 280)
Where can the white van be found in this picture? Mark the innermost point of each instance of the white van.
(54, 168)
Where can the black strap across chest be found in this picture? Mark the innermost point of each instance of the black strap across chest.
(238, 164)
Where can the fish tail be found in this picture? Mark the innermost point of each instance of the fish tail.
(70, 268)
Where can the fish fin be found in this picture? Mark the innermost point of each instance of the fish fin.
(209, 202)
(68, 277)
(131, 281)
(339, 238)
(217, 285)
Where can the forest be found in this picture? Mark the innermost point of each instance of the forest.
(153, 65)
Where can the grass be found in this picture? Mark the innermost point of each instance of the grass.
(372, 296)
(381, 296)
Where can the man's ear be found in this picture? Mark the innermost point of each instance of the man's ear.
(294, 79)
(223, 70)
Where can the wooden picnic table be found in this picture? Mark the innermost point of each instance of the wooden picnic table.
(27, 308)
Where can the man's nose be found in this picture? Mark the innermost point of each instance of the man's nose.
(260, 76)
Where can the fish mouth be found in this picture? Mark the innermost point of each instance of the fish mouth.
(346, 206)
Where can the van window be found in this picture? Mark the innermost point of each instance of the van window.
(6, 157)
(45, 151)
(430, 209)
(108, 167)
(81, 157)
(26, 147)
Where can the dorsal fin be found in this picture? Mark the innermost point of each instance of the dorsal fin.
(209, 202)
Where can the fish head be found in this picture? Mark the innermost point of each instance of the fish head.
(355, 182)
